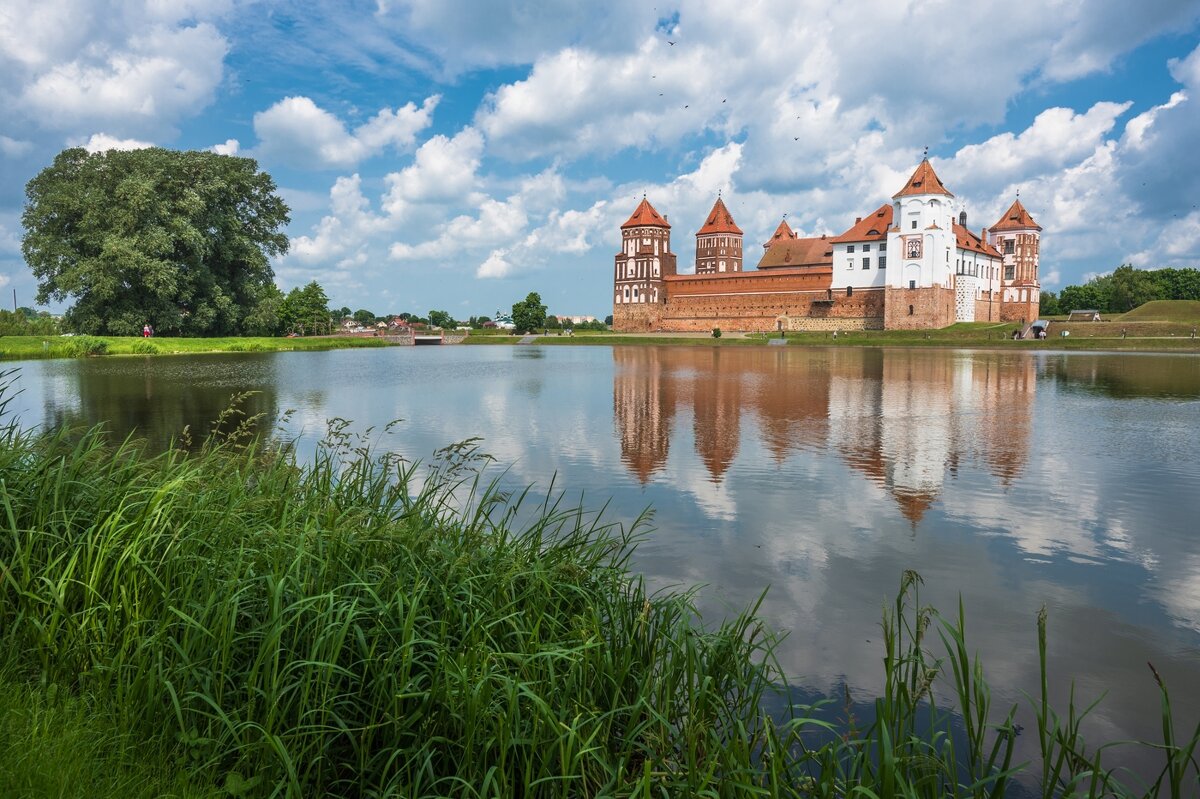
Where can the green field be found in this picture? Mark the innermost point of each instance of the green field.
(31, 347)
(1182, 311)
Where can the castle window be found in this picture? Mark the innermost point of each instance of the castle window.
(866, 263)
(849, 248)
(1008, 246)
(627, 294)
(1008, 273)
(635, 294)
(914, 224)
(910, 308)
(849, 291)
(883, 262)
(912, 284)
(866, 248)
(849, 263)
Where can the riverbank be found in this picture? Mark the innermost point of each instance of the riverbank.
(1143, 337)
(360, 625)
(14, 348)
(1104, 336)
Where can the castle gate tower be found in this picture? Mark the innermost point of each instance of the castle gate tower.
(718, 242)
(1018, 238)
(644, 260)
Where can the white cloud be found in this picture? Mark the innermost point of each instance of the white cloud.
(297, 131)
(348, 228)
(13, 148)
(102, 142)
(144, 83)
(443, 170)
(4, 280)
(230, 147)
(496, 266)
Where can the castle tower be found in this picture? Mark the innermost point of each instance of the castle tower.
(782, 233)
(920, 246)
(718, 242)
(645, 259)
(1018, 238)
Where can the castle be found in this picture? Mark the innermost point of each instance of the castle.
(907, 265)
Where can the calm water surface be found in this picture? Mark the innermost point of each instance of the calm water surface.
(1012, 480)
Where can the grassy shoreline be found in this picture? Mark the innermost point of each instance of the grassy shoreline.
(1141, 337)
(363, 625)
(38, 347)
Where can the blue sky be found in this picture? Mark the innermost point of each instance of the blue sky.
(458, 155)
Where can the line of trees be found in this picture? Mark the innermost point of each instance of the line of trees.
(1123, 290)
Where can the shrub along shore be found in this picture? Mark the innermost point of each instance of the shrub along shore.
(225, 620)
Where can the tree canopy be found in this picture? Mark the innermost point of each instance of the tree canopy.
(1124, 289)
(529, 313)
(179, 240)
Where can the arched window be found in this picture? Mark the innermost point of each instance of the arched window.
(849, 291)
(910, 310)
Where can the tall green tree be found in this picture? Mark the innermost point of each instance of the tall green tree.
(179, 240)
(442, 319)
(306, 311)
(529, 313)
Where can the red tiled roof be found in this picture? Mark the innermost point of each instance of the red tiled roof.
(798, 252)
(719, 221)
(869, 228)
(971, 243)
(784, 231)
(1016, 218)
(645, 216)
(923, 181)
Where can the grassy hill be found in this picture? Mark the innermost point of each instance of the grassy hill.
(1165, 311)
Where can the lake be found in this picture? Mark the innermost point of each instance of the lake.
(1011, 480)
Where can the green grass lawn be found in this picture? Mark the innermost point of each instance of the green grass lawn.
(30, 347)
(1183, 311)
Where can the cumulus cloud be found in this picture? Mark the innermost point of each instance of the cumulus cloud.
(348, 227)
(230, 147)
(297, 131)
(443, 170)
(102, 142)
(147, 82)
(13, 148)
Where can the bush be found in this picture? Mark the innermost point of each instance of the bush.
(716, 332)
(144, 347)
(82, 346)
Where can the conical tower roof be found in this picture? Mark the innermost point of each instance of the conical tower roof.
(1016, 218)
(719, 221)
(923, 181)
(784, 231)
(645, 216)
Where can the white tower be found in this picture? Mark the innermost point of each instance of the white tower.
(921, 240)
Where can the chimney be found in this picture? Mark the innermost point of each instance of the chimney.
(857, 219)
(962, 217)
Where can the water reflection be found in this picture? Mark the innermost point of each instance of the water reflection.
(1159, 375)
(158, 398)
(902, 419)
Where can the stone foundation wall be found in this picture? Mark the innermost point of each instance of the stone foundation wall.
(918, 309)
(637, 317)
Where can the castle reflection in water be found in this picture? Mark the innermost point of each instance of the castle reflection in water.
(903, 419)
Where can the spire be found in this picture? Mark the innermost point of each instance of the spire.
(645, 216)
(1016, 218)
(784, 231)
(719, 220)
(923, 181)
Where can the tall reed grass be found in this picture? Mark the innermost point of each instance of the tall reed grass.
(360, 625)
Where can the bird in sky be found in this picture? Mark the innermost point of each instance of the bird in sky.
(671, 43)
